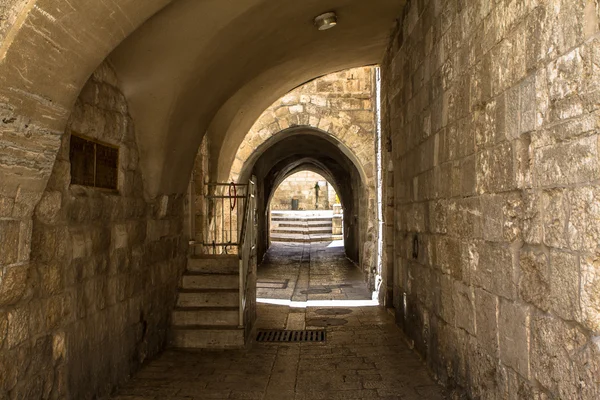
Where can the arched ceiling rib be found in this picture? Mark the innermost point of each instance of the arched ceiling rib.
(214, 65)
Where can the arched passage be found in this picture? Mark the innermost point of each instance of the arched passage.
(301, 189)
(304, 148)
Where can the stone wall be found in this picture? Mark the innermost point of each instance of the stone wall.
(492, 110)
(340, 104)
(301, 186)
(199, 174)
(96, 300)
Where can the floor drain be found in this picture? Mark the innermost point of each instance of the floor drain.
(326, 322)
(271, 336)
(334, 311)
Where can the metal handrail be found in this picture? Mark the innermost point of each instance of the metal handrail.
(246, 247)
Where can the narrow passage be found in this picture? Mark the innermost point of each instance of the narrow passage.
(364, 356)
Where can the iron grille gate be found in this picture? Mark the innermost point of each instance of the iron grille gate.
(225, 205)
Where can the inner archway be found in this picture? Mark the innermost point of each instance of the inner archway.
(305, 208)
(303, 148)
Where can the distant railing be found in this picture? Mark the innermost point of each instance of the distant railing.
(224, 211)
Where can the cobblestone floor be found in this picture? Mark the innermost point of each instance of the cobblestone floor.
(364, 356)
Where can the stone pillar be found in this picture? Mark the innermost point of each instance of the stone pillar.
(337, 220)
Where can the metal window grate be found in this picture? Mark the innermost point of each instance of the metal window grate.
(270, 336)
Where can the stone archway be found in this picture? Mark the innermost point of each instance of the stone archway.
(295, 150)
(336, 105)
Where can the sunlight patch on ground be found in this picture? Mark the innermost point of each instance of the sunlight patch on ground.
(319, 303)
(336, 243)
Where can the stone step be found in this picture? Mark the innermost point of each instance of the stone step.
(201, 316)
(282, 237)
(208, 298)
(313, 231)
(302, 213)
(209, 281)
(299, 225)
(202, 337)
(209, 263)
(302, 219)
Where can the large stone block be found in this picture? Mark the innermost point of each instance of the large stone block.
(514, 336)
(501, 215)
(532, 217)
(49, 208)
(495, 169)
(535, 281)
(13, 284)
(555, 211)
(554, 344)
(3, 328)
(9, 241)
(492, 268)
(18, 327)
(464, 300)
(448, 256)
(486, 313)
(564, 283)
(590, 293)
(584, 219)
(464, 218)
(566, 163)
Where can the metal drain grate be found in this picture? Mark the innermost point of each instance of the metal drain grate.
(271, 336)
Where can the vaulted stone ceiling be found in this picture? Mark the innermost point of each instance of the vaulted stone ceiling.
(214, 66)
(187, 67)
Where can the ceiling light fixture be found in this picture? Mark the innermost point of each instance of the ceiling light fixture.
(326, 21)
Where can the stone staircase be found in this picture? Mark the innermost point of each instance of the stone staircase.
(302, 226)
(206, 314)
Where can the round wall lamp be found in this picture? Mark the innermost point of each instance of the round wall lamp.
(326, 21)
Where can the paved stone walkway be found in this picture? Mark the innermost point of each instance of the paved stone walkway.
(364, 356)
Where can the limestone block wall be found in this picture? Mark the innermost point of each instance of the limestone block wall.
(340, 104)
(301, 186)
(492, 110)
(104, 267)
(199, 174)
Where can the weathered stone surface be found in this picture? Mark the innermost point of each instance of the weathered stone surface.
(514, 334)
(9, 242)
(487, 309)
(566, 163)
(483, 258)
(553, 347)
(463, 298)
(534, 284)
(77, 332)
(3, 328)
(48, 210)
(527, 242)
(564, 284)
(590, 293)
(18, 328)
(13, 282)
(583, 229)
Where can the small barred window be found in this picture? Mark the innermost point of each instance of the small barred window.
(93, 164)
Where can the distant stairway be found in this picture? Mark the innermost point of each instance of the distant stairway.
(215, 306)
(302, 226)
(207, 310)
